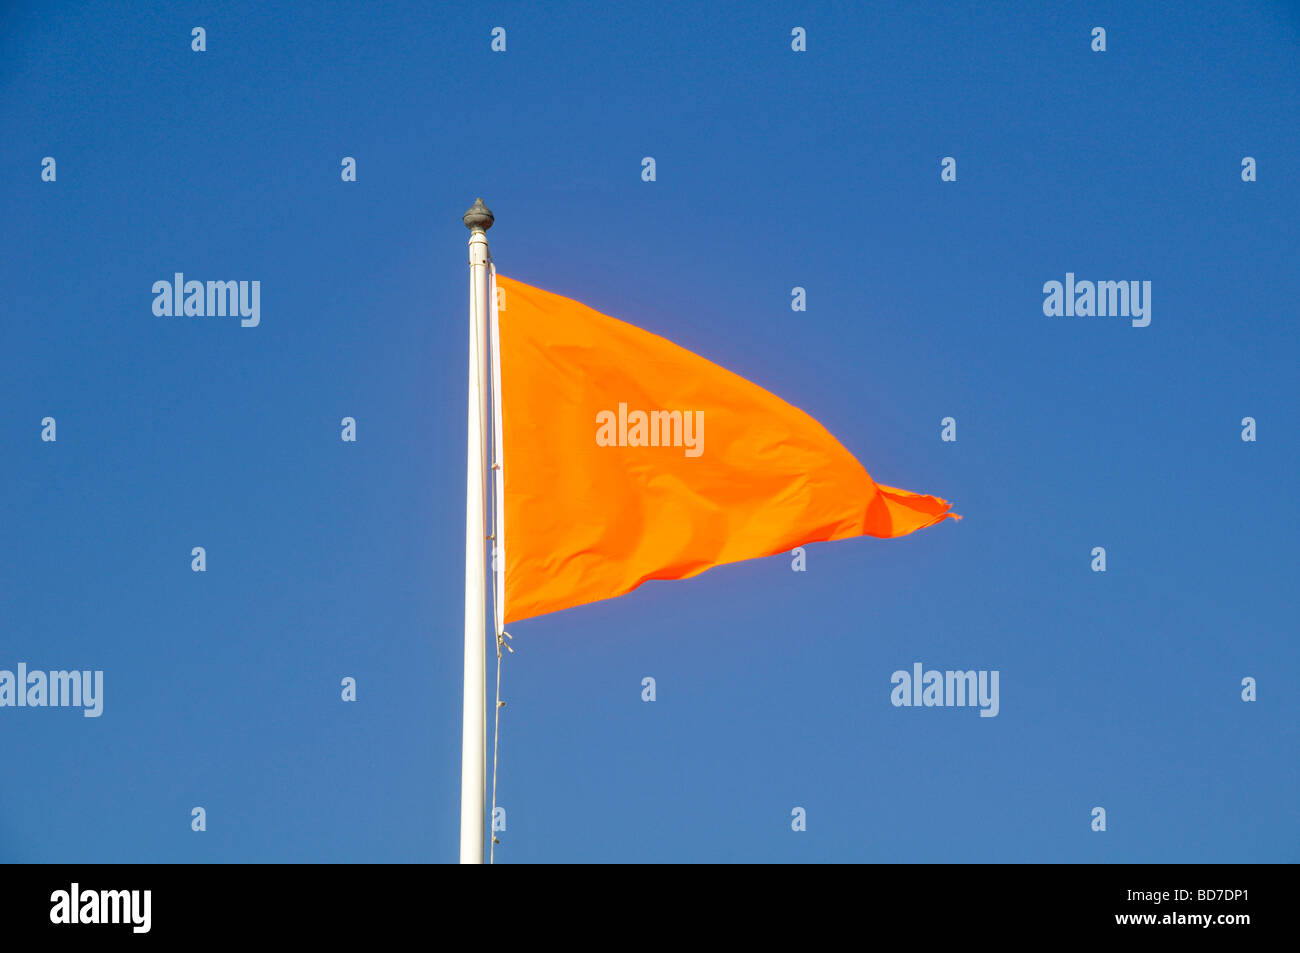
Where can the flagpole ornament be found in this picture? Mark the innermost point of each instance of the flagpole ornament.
(479, 217)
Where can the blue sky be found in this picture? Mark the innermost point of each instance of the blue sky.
(775, 169)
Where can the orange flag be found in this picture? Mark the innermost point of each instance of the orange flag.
(627, 458)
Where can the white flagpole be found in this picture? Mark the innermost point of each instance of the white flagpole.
(473, 762)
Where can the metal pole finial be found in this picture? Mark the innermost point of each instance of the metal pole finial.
(479, 218)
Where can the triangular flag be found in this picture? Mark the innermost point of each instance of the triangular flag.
(626, 457)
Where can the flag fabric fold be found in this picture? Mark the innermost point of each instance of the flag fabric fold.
(628, 458)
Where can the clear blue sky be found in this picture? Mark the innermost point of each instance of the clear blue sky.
(820, 169)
